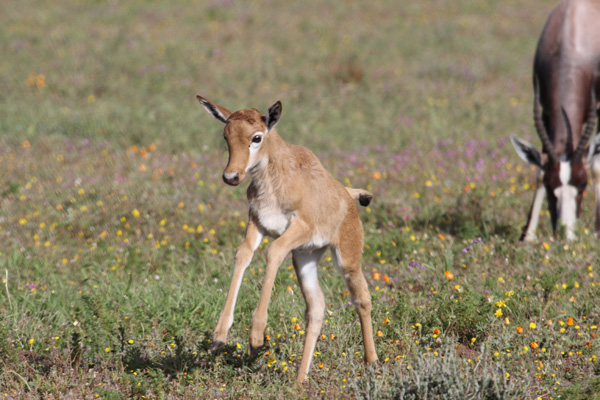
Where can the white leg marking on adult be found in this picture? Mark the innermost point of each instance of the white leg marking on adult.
(536, 208)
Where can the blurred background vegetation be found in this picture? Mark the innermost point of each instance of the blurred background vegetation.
(348, 73)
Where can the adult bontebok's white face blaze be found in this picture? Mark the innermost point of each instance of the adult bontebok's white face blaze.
(566, 199)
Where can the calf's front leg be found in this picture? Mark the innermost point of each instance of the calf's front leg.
(243, 256)
(296, 234)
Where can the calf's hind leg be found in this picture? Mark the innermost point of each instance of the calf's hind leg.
(347, 257)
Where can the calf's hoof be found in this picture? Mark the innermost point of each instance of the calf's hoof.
(217, 344)
(254, 351)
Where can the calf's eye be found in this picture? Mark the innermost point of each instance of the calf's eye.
(256, 139)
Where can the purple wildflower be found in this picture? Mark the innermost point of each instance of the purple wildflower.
(476, 240)
(413, 264)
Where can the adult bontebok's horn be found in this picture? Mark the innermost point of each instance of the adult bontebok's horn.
(589, 128)
(539, 124)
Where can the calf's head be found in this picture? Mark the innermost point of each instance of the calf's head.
(245, 133)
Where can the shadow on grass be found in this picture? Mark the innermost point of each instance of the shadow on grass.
(145, 370)
(471, 217)
(185, 359)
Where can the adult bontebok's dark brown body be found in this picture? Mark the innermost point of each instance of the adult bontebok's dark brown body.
(294, 199)
(566, 81)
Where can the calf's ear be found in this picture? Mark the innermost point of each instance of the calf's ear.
(273, 115)
(218, 112)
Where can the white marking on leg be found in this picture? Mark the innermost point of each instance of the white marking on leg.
(307, 267)
(259, 237)
(536, 208)
(307, 270)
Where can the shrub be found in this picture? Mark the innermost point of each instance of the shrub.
(449, 376)
(465, 314)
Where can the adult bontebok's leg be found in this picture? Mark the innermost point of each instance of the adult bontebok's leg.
(596, 174)
(534, 213)
(593, 161)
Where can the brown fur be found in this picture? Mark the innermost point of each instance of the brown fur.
(566, 60)
(566, 65)
(294, 199)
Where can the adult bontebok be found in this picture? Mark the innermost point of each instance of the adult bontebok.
(294, 199)
(566, 86)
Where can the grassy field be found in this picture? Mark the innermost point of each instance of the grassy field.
(117, 235)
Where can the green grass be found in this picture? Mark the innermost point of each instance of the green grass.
(117, 235)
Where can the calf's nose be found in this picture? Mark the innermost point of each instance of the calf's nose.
(231, 178)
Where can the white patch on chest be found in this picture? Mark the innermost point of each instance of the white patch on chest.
(273, 220)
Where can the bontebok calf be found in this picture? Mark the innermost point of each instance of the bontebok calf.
(295, 200)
